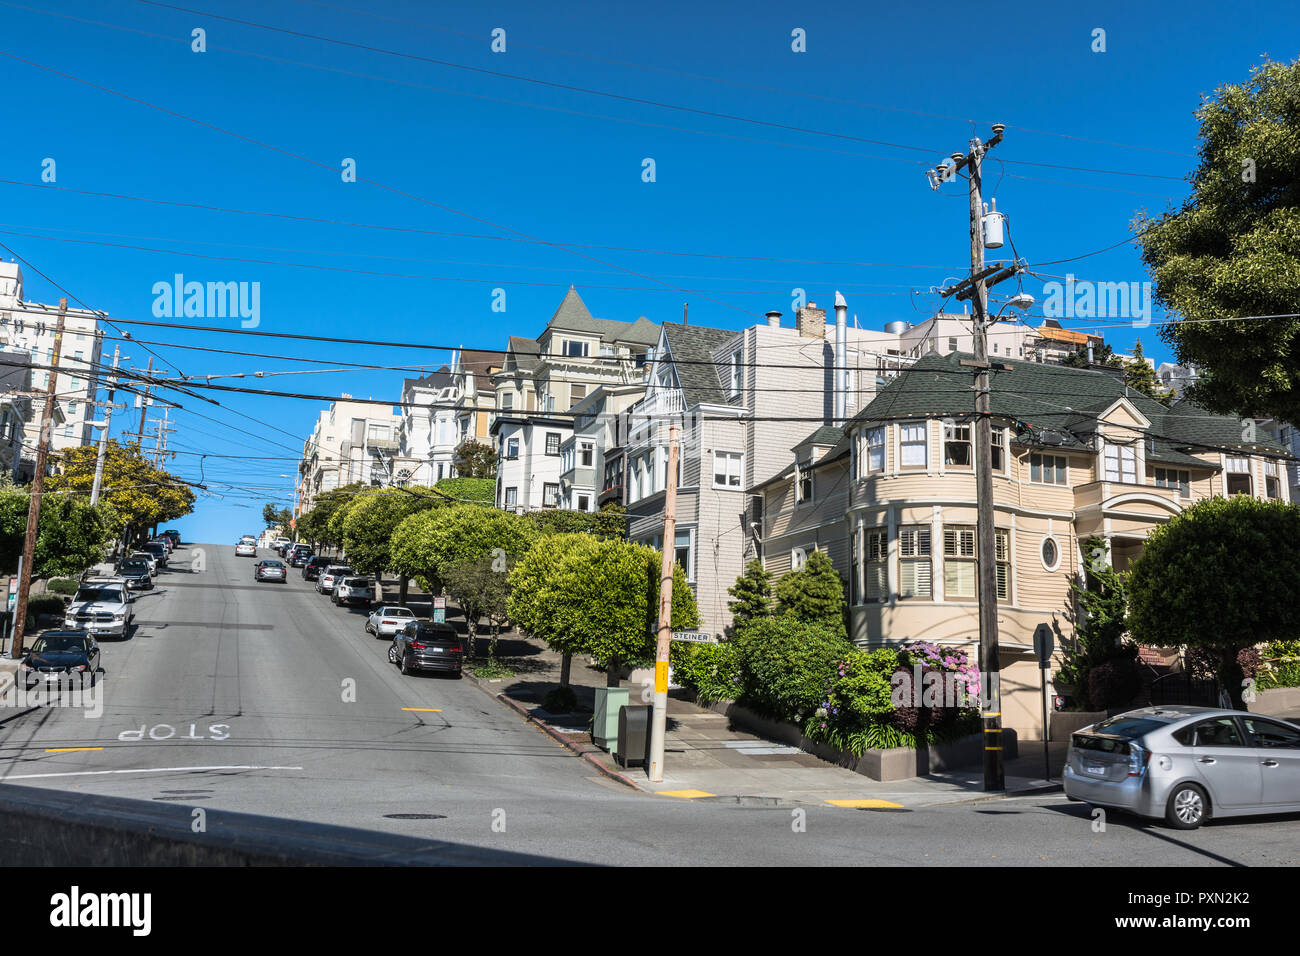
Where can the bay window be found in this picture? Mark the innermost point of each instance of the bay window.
(1121, 463)
(911, 438)
(914, 561)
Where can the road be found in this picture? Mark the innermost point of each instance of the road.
(265, 698)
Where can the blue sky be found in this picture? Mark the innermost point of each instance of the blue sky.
(566, 167)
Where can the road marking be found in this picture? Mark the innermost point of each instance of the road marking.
(68, 750)
(97, 773)
(427, 710)
(858, 804)
(686, 794)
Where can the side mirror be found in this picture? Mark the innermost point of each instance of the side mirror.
(26, 651)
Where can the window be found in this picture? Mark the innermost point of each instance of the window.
(875, 444)
(1048, 469)
(1218, 732)
(613, 473)
(1050, 554)
(956, 444)
(952, 343)
(584, 502)
(552, 443)
(508, 401)
(378, 433)
(735, 373)
(576, 394)
(999, 448)
(914, 561)
(1002, 548)
(1268, 734)
(1271, 486)
(958, 562)
(682, 553)
(1121, 463)
(798, 559)
(586, 454)
(575, 349)
(803, 482)
(912, 445)
(1238, 476)
(1169, 478)
(512, 498)
(877, 565)
(512, 448)
(550, 495)
(727, 468)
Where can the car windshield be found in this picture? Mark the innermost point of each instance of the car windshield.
(107, 595)
(338, 572)
(356, 583)
(396, 612)
(59, 643)
(135, 565)
(272, 564)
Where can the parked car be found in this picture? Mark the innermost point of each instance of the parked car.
(146, 556)
(279, 544)
(358, 591)
(55, 655)
(136, 573)
(313, 566)
(426, 646)
(166, 542)
(271, 570)
(156, 548)
(102, 607)
(175, 536)
(387, 620)
(330, 576)
(246, 549)
(1186, 765)
(298, 555)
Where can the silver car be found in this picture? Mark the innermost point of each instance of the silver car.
(1187, 764)
(330, 575)
(388, 620)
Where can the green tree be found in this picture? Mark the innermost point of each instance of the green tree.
(753, 594)
(70, 535)
(814, 595)
(1102, 354)
(531, 601)
(609, 522)
(369, 525)
(481, 588)
(474, 459)
(466, 490)
(315, 525)
(1233, 249)
(1100, 620)
(276, 517)
(1220, 576)
(1140, 376)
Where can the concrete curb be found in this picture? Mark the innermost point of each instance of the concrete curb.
(568, 745)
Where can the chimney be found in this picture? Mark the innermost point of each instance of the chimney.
(774, 320)
(811, 321)
(841, 359)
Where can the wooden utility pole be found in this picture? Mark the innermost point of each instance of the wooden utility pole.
(659, 718)
(103, 436)
(38, 487)
(144, 400)
(976, 289)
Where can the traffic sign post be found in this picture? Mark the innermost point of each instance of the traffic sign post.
(440, 610)
(1044, 644)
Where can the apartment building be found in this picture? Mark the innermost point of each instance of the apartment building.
(529, 459)
(427, 435)
(16, 459)
(600, 427)
(30, 327)
(351, 442)
(891, 499)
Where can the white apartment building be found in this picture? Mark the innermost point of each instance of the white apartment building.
(427, 435)
(588, 456)
(29, 327)
(529, 460)
(351, 442)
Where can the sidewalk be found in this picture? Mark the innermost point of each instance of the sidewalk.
(707, 759)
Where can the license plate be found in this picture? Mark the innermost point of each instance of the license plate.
(1096, 769)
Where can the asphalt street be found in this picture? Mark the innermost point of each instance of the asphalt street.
(265, 698)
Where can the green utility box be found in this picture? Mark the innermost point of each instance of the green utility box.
(604, 723)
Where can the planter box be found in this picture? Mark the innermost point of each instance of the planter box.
(1276, 702)
(901, 763)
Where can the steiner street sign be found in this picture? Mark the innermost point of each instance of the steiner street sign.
(696, 637)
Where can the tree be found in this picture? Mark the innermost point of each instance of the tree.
(753, 594)
(369, 525)
(138, 495)
(1233, 250)
(70, 534)
(530, 602)
(474, 459)
(814, 595)
(314, 525)
(466, 490)
(1100, 623)
(276, 517)
(1102, 354)
(481, 588)
(1221, 576)
(609, 522)
(1140, 376)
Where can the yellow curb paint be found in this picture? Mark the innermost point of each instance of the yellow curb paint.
(429, 710)
(68, 750)
(863, 803)
(686, 794)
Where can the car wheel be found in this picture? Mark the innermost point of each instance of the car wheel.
(392, 654)
(406, 664)
(1188, 807)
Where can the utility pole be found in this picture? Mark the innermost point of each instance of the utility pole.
(103, 436)
(659, 718)
(160, 445)
(38, 487)
(976, 289)
(144, 400)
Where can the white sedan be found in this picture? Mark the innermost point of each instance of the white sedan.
(245, 549)
(388, 620)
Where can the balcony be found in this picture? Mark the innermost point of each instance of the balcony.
(653, 410)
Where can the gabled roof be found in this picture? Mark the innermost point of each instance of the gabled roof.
(436, 380)
(525, 354)
(691, 349)
(826, 435)
(1058, 402)
(481, 363)
(573, 316)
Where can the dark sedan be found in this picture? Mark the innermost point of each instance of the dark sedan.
(313, 567)
(56, 655)
(271, 570)
(425, 646)
(135, 572)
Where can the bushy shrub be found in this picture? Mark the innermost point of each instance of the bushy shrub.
(1113, 683)
(1280, 665)
(785, 665)
(712, 669)
(561, 700)
(39, 604)
(64, 585)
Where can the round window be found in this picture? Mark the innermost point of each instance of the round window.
(1051, 554)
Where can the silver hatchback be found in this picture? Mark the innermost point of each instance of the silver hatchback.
(1187, 764)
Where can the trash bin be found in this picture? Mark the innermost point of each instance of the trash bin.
(604, 722)
(633, 744)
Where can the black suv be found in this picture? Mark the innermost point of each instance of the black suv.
(312, 567)
(135, 572)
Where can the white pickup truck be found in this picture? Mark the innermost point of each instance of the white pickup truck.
(102, 607)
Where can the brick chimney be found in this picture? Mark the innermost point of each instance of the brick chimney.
(811, 321)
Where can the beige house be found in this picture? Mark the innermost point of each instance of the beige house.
(891, 500)
(351, 442)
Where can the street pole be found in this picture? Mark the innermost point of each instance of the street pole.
(659, 721)
(38, 487)
(103, 437)
(144, 401)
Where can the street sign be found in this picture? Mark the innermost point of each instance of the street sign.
(1044, 644)
(694, 637)
(440, 610)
